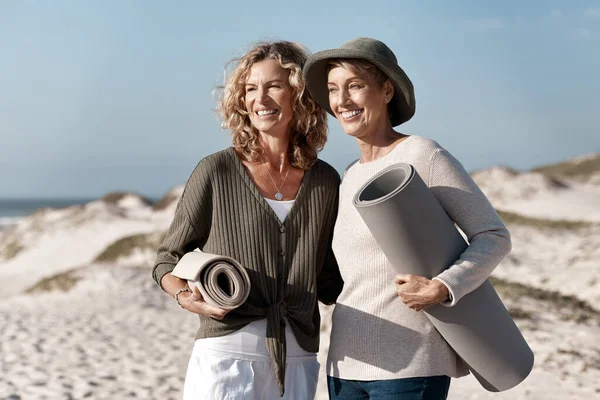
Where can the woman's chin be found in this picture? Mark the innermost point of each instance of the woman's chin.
(352, 128)
(272, 128)
(266, 127)
(352, 131)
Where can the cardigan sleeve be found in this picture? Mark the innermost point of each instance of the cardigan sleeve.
(329, 280)
(190, 225)
(467, 206)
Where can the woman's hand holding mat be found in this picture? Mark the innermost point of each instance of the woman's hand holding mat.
(217, 281)
(418, 292)
(194, 302)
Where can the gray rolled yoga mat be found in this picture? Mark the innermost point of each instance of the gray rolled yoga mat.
(417, 237)
(222, 281)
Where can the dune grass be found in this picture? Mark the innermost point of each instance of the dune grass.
(570, 169)
(510, 218)
(115, 197)
(567, 308)
(125, 246)
(62, 282)
(11, 249)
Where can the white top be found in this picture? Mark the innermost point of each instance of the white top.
(374, 335)
(281, 208)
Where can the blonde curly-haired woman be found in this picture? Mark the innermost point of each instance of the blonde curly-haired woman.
(269, 203)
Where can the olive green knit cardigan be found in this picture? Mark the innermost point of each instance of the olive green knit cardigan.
(291, 264)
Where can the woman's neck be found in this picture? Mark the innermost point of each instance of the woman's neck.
(379, 144)
(275, 151)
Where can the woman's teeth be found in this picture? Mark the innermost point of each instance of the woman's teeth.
(350, 114)
(262, 113)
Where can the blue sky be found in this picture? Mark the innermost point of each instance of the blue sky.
(116, 95)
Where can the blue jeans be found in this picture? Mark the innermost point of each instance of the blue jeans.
(426, 388)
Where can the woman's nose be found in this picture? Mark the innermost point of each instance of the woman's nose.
(342, 98)
(262, 94)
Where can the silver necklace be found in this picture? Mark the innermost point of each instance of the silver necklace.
(278, 195)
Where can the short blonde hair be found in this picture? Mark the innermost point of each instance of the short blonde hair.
(309, 124)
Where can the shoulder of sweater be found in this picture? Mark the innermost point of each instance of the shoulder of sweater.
(424, 146)
(325, 169)
(214, 162)
(207, 169)
(431, 151)
(219, 158)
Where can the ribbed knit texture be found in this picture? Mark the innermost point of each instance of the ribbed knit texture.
(290, 264)
(374, 335)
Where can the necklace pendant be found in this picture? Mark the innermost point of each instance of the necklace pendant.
(278, 195)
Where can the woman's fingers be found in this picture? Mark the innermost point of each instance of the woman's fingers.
(418, 292)
(405, 278)
(407, 283)
(208, 310)
(418, 299)
(197, 296)
(414, 305)
(195, 303)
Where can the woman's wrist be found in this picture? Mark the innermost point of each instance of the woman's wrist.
(443, 292)
(172, 284)
(180, 293)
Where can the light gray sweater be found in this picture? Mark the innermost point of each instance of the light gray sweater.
(374, 335)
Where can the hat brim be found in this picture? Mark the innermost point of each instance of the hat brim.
(402, 105)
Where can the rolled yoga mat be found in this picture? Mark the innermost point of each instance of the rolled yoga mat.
(417, 237)
(222, 281)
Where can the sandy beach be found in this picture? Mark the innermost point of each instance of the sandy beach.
(116, 335)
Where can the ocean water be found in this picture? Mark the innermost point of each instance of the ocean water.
(11, 210)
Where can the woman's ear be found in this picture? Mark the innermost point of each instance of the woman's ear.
(388, 89)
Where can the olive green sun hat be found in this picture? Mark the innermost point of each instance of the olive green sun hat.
(402, 105)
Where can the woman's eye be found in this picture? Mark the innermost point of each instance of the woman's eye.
(332, 89)
(250, 89)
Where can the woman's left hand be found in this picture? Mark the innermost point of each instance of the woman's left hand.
(418, 292)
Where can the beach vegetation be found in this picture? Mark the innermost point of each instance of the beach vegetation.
(126, 246)
(510, 218)
(572, 169)
(566, 307)
(11, 249)
(62, 282)
(519, 313)
(115, 197)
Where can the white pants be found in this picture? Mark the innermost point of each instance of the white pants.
(237, 366)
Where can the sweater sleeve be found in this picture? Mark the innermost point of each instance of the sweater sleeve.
(467, 206)
(329, 280)
(190, 225)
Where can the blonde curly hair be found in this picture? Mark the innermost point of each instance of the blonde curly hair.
(309, 124)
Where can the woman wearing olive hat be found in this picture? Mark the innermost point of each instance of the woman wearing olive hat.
(382, 346)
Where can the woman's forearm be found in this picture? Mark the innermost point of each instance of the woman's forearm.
(171, 284)
(469, 208)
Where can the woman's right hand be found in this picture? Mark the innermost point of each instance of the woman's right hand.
(193, 302)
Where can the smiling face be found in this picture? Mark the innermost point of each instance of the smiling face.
(358, 101)
(268, 98)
